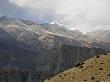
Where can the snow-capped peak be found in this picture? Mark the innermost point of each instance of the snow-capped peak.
(57, 23)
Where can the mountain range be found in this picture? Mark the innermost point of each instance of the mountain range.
(34, 52)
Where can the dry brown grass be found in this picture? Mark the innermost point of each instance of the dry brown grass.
(96, 69)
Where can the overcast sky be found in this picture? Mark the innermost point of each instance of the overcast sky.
(86, 15)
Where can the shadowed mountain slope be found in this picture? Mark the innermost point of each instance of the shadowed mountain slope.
(26, 46)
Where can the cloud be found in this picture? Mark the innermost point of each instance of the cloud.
(39, 10)
(87, 28)
(80, 14)
(10, 10)
(0, 14)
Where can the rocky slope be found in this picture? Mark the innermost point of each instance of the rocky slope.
(45, 65)
(52, 35)
(100, 38)
(96, 69)
(62, 30)
(34, 35)
(26, 46)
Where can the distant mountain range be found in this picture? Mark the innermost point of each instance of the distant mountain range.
(46, 49)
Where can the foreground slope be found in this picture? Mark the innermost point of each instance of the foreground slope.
(96, 69)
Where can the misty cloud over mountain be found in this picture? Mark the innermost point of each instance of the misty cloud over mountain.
(85, 15)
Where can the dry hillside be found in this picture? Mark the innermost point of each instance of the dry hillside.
(96, 69)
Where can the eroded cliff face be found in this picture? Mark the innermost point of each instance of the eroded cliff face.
(34, 67)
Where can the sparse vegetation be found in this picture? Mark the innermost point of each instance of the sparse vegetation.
(65, 74)
(97, 56)
(92, 73)
(92, 78)
(101, 63)
(69, 73)
(91, 66)
(95, 74)
(108, 75)
(48, 78)
(97, 81)
(85, 80)
(100, 68)
(73, 77)
(78, 65)
(105, 54)
(60, 75)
